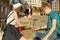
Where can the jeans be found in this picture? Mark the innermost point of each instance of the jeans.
(42, 34)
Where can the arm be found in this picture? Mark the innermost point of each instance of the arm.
(52, 29)
(17, 19)
(22, 38)
(18, 22)
(43, 27)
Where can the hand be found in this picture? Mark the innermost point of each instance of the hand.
(36, 28)
(43, 27)
(45, 38)
(21, 24)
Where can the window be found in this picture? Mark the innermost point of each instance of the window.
(13, 1)
(0, 8)
(6, 9)
(16, 1)
(3, 9)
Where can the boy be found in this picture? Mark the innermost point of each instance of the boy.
(53, 24)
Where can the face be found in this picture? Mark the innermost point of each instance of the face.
(46, 10)
(19, 9)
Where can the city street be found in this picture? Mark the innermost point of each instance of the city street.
(31, 16)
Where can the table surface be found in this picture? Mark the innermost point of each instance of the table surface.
(29, 33)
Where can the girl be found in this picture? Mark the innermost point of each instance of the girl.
(10, 32)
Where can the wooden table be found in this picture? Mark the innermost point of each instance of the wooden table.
(29, 33)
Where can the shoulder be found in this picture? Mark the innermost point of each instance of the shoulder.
(10, 13)
(53, 13)
(14, 13)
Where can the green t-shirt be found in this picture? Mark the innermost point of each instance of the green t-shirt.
(53, 15)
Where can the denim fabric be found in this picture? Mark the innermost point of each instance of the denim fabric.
(42, 34)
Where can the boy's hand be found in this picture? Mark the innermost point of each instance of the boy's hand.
(36, 28)
(45, 38)
(43, 27)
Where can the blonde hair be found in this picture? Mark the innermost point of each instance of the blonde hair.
(46, 4)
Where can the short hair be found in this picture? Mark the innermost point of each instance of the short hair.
(46, 4)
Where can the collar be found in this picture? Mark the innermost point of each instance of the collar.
(50, 12)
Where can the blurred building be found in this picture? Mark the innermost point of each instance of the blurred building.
(56, 5)
(44, 0)
(15, 1)
(4, 10)
(59, 6)
(4, 6)
(36, 3)
(50, 1)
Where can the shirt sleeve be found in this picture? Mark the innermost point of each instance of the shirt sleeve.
(54, 16)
